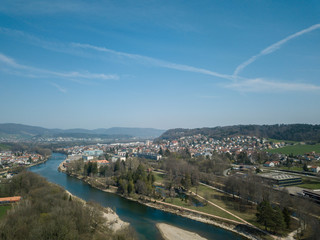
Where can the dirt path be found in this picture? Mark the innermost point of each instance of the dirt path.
(221, 208)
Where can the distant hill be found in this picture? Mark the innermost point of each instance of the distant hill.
(138, 132)
(293, 132)
(21, 131)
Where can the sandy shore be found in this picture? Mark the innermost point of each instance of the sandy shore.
(112, 220)
(169, 232)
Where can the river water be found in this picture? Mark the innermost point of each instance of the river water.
(142, 218)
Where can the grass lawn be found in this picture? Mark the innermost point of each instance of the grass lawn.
(159, 177)
(293, 168)
(227, 202)
(205, 209)
(3, 210)
(297, 149)
(309, 183)
(247, 213)
(277, 141)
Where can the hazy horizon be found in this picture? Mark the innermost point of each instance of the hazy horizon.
(146, 127)
(159, 64)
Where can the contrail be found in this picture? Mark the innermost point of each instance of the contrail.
(155, 61)
(273, 48)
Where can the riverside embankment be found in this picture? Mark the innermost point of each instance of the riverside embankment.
(240, 227)
(142, 218)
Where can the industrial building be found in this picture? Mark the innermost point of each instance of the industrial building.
(281, 179)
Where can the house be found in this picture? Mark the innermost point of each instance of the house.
(93, 152)
(87, 158)
(7, 200)
(101, 162)
(314, 169)
(268, 164)
(271, 163)
(117, 157)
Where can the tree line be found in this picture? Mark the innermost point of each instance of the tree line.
(293, 132)
(273, 206)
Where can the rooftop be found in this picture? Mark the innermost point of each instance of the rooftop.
(278, 176)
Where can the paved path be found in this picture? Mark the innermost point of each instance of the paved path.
(241, 219)
(221, 208)
(195, 211)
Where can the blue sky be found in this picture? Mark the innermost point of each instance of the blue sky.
(161, 64)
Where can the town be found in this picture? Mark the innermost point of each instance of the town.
(196, 146)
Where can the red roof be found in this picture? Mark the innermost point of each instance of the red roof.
(11, 199)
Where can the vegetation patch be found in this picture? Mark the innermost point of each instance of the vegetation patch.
(3, 210)
(46, 211)
(279, 140)
(159, 178)
(298, 149)
(4, 147)
(310, 183)
(206, 208)
(235, 206)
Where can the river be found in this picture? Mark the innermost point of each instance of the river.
(142, 218)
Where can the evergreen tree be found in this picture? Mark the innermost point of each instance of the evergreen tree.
(130, 187)
(264, 213)
(287, 217)
(277, 220)
(161, 151)
(167, 152)
(305, 167)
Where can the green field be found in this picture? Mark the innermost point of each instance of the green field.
(4, 147)
(159, 177)
(3, 210)
(227, 202)
(293, 168)
(310, 184)
(205, 209)
(297, 149)
(277, 141)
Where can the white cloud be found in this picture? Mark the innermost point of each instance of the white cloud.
(154, 61)
(273, 48)
(238, 83)
(37, 72)
(9, 61)
(61, 89)
(263, 85)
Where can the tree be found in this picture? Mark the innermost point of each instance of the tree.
(160, 151)
(167, 152)
(277, 220)
(130, 187)
(305, 167)
(286, 216)
(186, 182)
(122, 186)
(270, 217)
(151, 178)
(264, 213)
(141, 187)
(243, 158)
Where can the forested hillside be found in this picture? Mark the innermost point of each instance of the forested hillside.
(293, 132)
(46, 211)
(21, 131)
